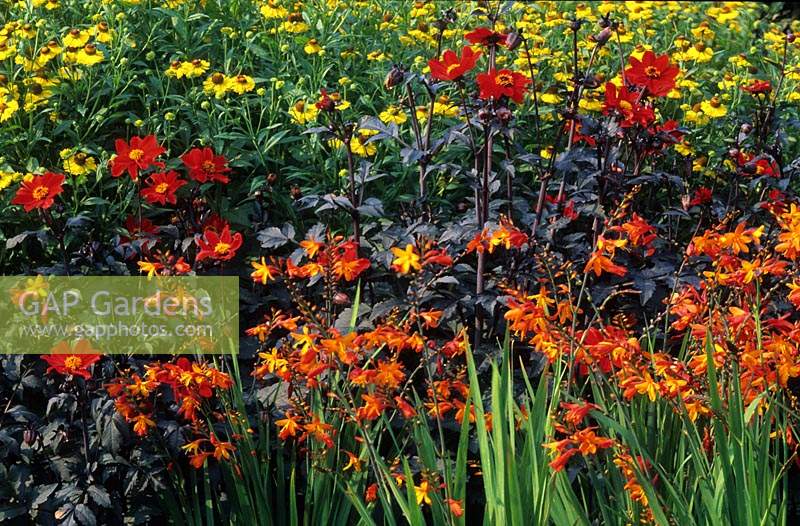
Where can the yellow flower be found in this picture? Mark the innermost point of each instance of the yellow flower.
(216, 84)
(359, 144)
(294, 27)
(740, 61)
(7, 49)
(377, 56)
(421, 493)
(77, 163)
(302, 112)
(263, 272)
(8, 107)
(175, 69)
(714, 108)
(9, 178)
(272, 10)
(241, 84)
(312, 47)
(406, 259)
(194, 68)
(393, 114)
(550, 98)
(102, 33)
(89, 55)
(76, 38)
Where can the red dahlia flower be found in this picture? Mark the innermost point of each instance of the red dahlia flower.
(453, 67)
(486, 37)
(204, 166)
(64, 361)
(656, 74)
(625, 104)
(161, 188)
(496, 84)
(221, 246)
(758, 87)
(139, 155)
(39, 192)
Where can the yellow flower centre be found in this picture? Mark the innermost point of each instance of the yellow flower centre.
(652, 72)
(136, 154)
(72, 362)
(209, 167)
(300, 106)
(222, 248)
(217, 78)
(40, 192)
(451, 67)
(625, 105)
(162, 188)
(505, 80)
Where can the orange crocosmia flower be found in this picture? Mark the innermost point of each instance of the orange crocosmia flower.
(350, 269)
(353, 462)
(197, 461)
(389, 374)
(738, 240)
(639, 231)
(422, 493)
(599, 263)
(141, 424)
(263, 272)
(373, 407)
(222, 450)
(193, 447)
(562, 459)
(371, 494)
(431, 318)
(406, 260)
(437, 257)
(577, 412)
(289, 426)
(311, 247)
(455, 506)
(320, 431)
(406, 409)
(588, 442)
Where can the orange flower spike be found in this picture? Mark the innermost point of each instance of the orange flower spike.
(588, 442)
(320, 431)
(406, 409)
(389, 374)
(372, 409)
(456, 507)
(422, 493)
(311, 247)
(598, 263)
(263, 272)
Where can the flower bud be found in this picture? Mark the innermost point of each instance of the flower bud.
(602, 37)
(733, 152)
(394, 77)
(151, 55)
(340, 298)
(504, 114)
(296, 192)
(513, 40)
(746, 128)
(790, 38)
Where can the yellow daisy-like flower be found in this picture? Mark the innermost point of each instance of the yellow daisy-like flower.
(89, 55)
(7, 49)
(8, 107)
(550, 98)
(713, 108)
(76, 38)
(102, 33)
(51, 4)
(302, 112)
(241, 84)
(216, 84)
(740, 61)
(272, 10)
(377, 56)
(77, 163)
(175, 69)
(393, 114)
(359, 144)
(294, 27)
(312, 47)
(194, 68)
(444, 107)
